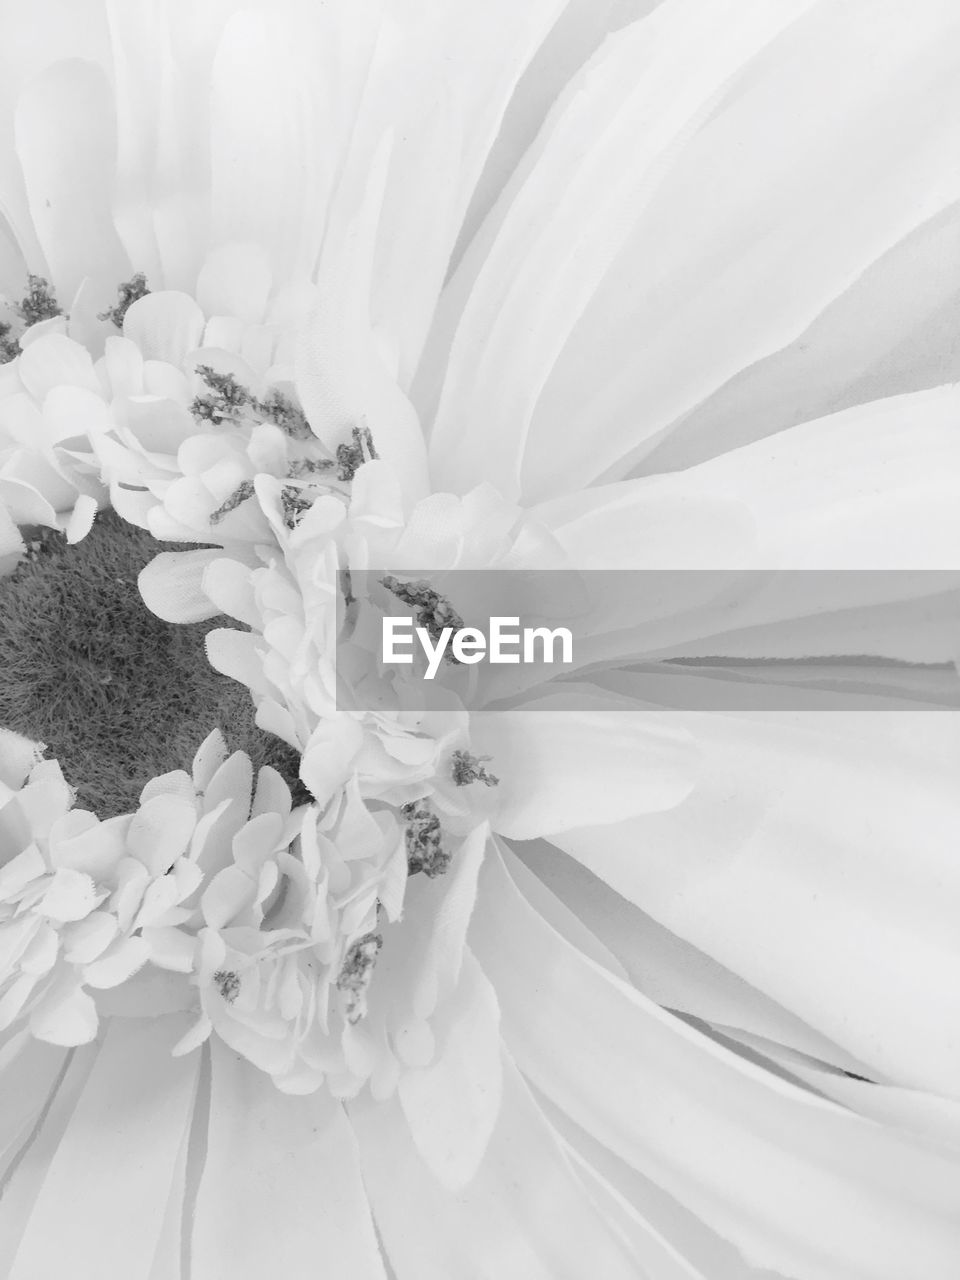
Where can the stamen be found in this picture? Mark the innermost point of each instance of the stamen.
(308, 467)
(425, 851)
(357, 973)
(227, 396)
(40, 302)
(244, 491)
(128, 293)
(228, 399)
(294, 502)
(283, 413)
(228, 984)
(9, 347)
(352, 456)
(433, 612)
(468, 768)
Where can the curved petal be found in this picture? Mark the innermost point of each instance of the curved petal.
(598, 162)
(861, 348)
(65, 141)
(444, 98)
(343, 374)
(574, 38)
(451, 1106)
(830, 150)
(816, 858)
(33, 39)
(25, 1177)
(99, 1212)
(660, 964)
(166, 325)
(524, 1216)
(31, 1070)
(271, 195)
(797, 1183)
(280, 1192)
(854, 556)
(162, 60)
(235, 281)
(18, 755)
(171, 585)
(562, 757)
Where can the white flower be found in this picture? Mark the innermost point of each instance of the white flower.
(630, 1044)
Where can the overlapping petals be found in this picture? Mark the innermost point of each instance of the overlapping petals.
(659, 341)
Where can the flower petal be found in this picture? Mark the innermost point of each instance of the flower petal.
(557, 763)
(171, 585)
(69, 896)
(18, 755)
(451, 1106)
(797, 1183)
(237, 654)
(858, 350)
(29, 1072)
(160, 831)
(819, 821)
(342, 377)
(35, 1156)
(118, 964)
(54, 360)
(280, 1189)
(99, 1212)
(804, 188)
(165, 325)
(235, 281)
(524, 1216)
(65, 1015)
(66, 141)
(662, 965)
(598, 161)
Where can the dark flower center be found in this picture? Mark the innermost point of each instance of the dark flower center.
(117, 695)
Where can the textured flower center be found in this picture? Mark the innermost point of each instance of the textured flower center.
(317, 908)
(116, 694)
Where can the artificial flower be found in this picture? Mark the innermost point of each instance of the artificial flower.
(322, 288)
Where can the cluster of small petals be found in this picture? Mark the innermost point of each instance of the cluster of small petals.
(282, 927)
(270, 919)
(124, 428)
(85, 904)
(312, 664)
(278, 928)
(47, 473)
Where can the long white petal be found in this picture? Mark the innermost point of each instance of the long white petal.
(452, 1105)
(525, 1215)
(816, 858)
(65, 141)
(797, 1183)
(598, 165)
(280, 1192)
(101, 1207)
(25, 1178)
(833, 148)
(660, 964)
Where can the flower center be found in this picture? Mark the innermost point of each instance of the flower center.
(115, 693)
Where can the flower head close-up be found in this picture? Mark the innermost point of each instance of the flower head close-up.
(345, 932)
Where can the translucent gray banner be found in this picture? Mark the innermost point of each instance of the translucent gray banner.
(753, 640)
